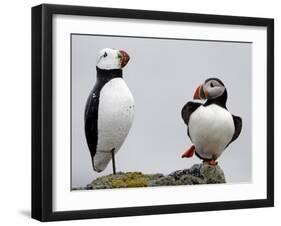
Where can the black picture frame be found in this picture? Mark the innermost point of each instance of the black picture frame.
(42, 111)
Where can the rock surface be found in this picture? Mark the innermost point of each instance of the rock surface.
(197, 174)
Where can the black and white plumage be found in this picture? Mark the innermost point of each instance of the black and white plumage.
(109, 110)
(211, 127)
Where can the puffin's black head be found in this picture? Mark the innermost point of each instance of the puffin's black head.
(211, 89)
(110, 59)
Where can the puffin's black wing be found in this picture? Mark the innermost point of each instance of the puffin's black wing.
(238, 127)
(91, 123)
(188, 109)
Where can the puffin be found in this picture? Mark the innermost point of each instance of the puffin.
(109, 110)
(210, 126)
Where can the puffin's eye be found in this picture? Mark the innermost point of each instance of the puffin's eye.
(105, 54)
(211, 84)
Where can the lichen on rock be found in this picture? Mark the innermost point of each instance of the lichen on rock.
(197, 174)
(123, 180)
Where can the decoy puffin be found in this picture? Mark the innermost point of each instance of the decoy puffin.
(109, 110)
(211, 127)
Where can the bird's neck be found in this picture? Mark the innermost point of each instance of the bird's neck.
(221, 100)
(106, 75)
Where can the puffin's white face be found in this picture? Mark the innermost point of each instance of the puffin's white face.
(108, 59)
(211, 89)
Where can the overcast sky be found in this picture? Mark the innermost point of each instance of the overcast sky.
(162, 76)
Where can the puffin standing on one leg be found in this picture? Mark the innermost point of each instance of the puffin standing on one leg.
(211, 127)
(109, 110)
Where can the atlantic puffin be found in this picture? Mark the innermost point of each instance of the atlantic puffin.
(109, 110)
(211, 127)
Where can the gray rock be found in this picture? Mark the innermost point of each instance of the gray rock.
(212, 174)
(197, 174)
(165, 180)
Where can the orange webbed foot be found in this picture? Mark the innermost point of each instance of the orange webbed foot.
(211, 162)
(189, 152)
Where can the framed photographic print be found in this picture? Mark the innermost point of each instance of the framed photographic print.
(145, 112)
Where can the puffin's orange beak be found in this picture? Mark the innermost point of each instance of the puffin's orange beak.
(200, 94)
(124, 58)
(196, 95)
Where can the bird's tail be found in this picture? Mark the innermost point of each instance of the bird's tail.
(101, 160)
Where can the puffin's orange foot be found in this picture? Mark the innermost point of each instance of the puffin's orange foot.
(211, 162)
(189, 152)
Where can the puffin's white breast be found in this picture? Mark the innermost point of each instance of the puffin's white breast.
(211, 128)
(115, 117)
